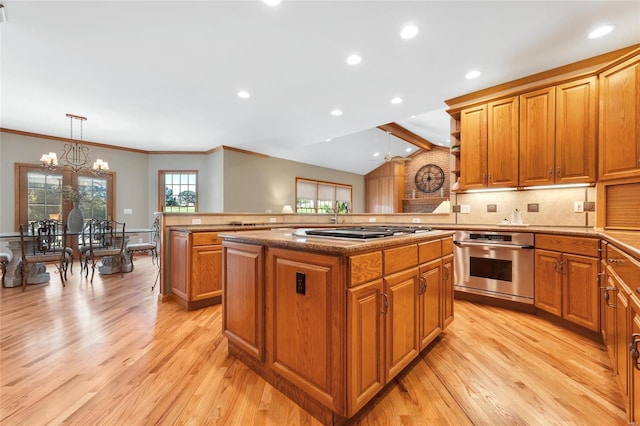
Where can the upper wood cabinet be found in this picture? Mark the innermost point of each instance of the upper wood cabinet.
(473, 147)
(489, 145)
(558, 134)
(619, 141)
(384, 188)
(575, 152)
(537, 137)
(502, 142)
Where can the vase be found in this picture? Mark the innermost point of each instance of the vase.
(456, 185)
(75, 220)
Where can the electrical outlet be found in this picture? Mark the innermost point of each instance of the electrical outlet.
(589, 206)
(492, 208)
(372, 220)
(455, 209)
(196, 221)
(465, 208)
(578, 206)
(272, 220)
(533, 208)
(416, 220)
(301, 284)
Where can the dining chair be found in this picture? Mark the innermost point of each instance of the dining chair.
(5, 258)
(106, 238)
(151, 247)
(43, 241)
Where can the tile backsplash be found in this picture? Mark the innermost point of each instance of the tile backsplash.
(555, 207)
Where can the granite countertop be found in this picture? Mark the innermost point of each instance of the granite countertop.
(628, 241)
(285, 238)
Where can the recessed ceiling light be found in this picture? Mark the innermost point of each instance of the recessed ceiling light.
(448, 140)
(601, 31)
(354, 59)
(396, 100)
(409, 31)
(271, 2)
(473, 74)
(244, 94)
(328, 140)
(376, 154)
(408, 150)
(336, 113)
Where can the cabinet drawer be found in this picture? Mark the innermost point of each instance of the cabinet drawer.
(575, 245)
(206, 238)
(400, 258)
(447, 246)
(429, 251)
(624, 266)
(364, 268)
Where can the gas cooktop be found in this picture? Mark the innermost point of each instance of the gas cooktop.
(367, 232)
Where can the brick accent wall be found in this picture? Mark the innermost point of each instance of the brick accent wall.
(439, 156)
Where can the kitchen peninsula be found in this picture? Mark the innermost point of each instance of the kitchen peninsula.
(330, 321)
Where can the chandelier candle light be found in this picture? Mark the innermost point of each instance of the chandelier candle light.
(74, 156)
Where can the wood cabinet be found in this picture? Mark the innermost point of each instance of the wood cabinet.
(196, 268)
(447, 283)
(566, 278)
(576, 124)
(429, 302)
(619, 126)
(305, 302)
(502, 143)
(473, 147)
(537, 137)
(384, 188)
(243, 298)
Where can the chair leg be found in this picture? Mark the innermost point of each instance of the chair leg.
(130, 260)
(153, 287)
(3, 267)
(60, 268)
(24, 275)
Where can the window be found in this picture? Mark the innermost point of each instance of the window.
(322, 197)
(38, 194)
(178, 190)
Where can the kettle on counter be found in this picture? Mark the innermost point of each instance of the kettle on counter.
(516, 219)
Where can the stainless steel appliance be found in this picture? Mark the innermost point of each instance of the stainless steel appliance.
(496, 264)
(366, 232)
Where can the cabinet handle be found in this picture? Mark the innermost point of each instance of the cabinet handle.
(484, 178)
(385, 303)
(489, 177)
(607, 296)
(558, 172)
(562, 269)
(424, 285)
(612, 260)
(446, 274)
(550, 171)
(633, 349)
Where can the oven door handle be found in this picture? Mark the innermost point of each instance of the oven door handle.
(489, 245)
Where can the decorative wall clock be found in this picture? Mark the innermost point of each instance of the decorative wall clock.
(429, 178)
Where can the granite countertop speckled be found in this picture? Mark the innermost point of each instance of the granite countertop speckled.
(628, 241)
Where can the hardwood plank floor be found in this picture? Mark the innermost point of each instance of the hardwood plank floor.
(109, 353)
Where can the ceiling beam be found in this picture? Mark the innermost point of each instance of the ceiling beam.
(406, 135)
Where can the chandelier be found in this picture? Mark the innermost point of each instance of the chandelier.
(74, 156)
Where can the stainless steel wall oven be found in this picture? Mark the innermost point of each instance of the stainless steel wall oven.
(496, 264)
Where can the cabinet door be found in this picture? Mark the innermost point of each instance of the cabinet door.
(447, 290)
(537, 137)
(180, 264)
(401, 323)
(473, 147)
(609, 321)
(622, 339)
(619, 142)
(365, 345)
(305, 305)
(580, 290)
(206, 272)
(576, 131)
(634, 397)
(548, 281)
(502, 143)
(429, 296)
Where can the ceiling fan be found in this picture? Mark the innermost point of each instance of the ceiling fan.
(390, 157)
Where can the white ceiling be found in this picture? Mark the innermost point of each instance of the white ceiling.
(163, 75)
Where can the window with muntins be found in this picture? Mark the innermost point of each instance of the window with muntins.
(178, 190)
(322, 197)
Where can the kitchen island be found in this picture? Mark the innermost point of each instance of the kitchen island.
(330, 321)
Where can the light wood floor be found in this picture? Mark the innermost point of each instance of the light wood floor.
(109, 353)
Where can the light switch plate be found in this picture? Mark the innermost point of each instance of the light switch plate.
(372, 220)
(465, 208)
(128, 211)
(272, 220)
(578, 206)
(416, 220)
(196, 221)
